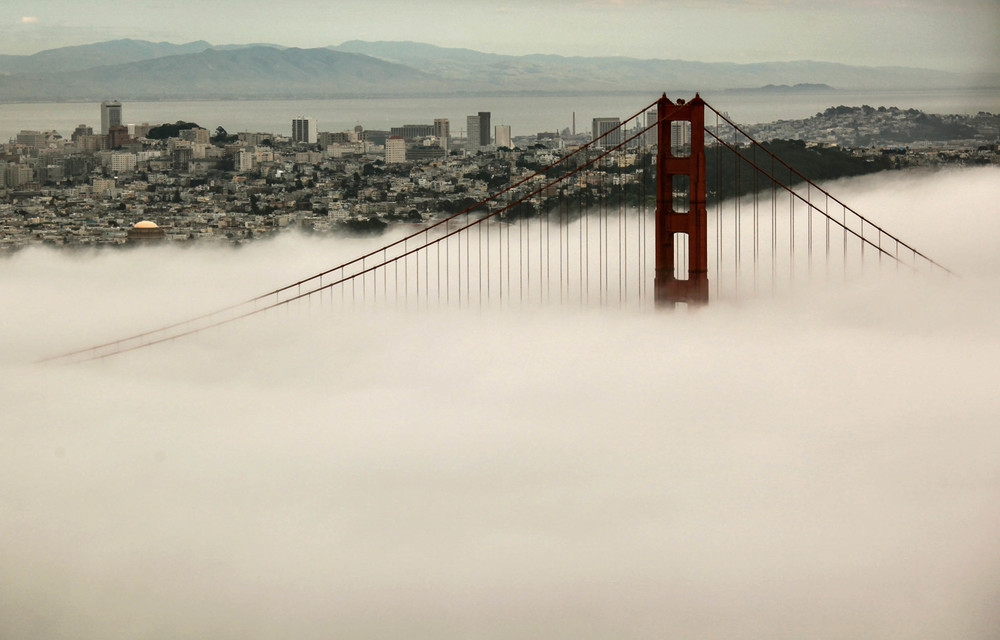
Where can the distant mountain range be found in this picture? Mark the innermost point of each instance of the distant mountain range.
(141, 70)
(250, 72)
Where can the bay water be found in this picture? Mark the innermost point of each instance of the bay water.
(526, 115)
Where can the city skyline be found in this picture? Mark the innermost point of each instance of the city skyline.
(958, 36)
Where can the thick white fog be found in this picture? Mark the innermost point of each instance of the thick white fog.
(820, 465)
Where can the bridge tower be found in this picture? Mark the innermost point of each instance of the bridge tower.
(680, 202)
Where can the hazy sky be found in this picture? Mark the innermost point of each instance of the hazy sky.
(959, 35)
(821, 465)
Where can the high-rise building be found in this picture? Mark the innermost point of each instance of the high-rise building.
(651, 136)
(375, 136)
(244, 161)
(34, 139)
(111, 115)
(304, 130)
(680, 138)
(123, 162)
(502, 136)
(441, 132)
(117, 136)
(326, 138)
(477, 131)
(472, 134)
(395, 150)
(91, 143)
(16, 174)
(81, 130)
(484, 128)
(603, 127)
(412, 131)
(180, 157)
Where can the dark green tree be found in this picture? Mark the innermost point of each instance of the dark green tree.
(164, 131)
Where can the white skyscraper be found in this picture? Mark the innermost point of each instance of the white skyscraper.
(304, 130)
(502, 136)
(651, 136)
(395, 150)
(111, 115)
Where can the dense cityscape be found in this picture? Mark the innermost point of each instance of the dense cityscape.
(184, 183)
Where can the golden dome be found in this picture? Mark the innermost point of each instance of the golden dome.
(145, 231)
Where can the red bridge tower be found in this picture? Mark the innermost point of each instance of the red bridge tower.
(680, 202)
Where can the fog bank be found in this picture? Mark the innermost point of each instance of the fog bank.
(819, 465)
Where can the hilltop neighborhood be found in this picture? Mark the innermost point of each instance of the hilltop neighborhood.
(89, 188)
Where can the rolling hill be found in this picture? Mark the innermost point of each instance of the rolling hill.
(140, 70)
(251, 72)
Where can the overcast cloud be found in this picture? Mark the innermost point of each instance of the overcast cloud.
(821, 465)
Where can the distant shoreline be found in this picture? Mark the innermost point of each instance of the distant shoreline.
(799, 89)
(526, 113)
